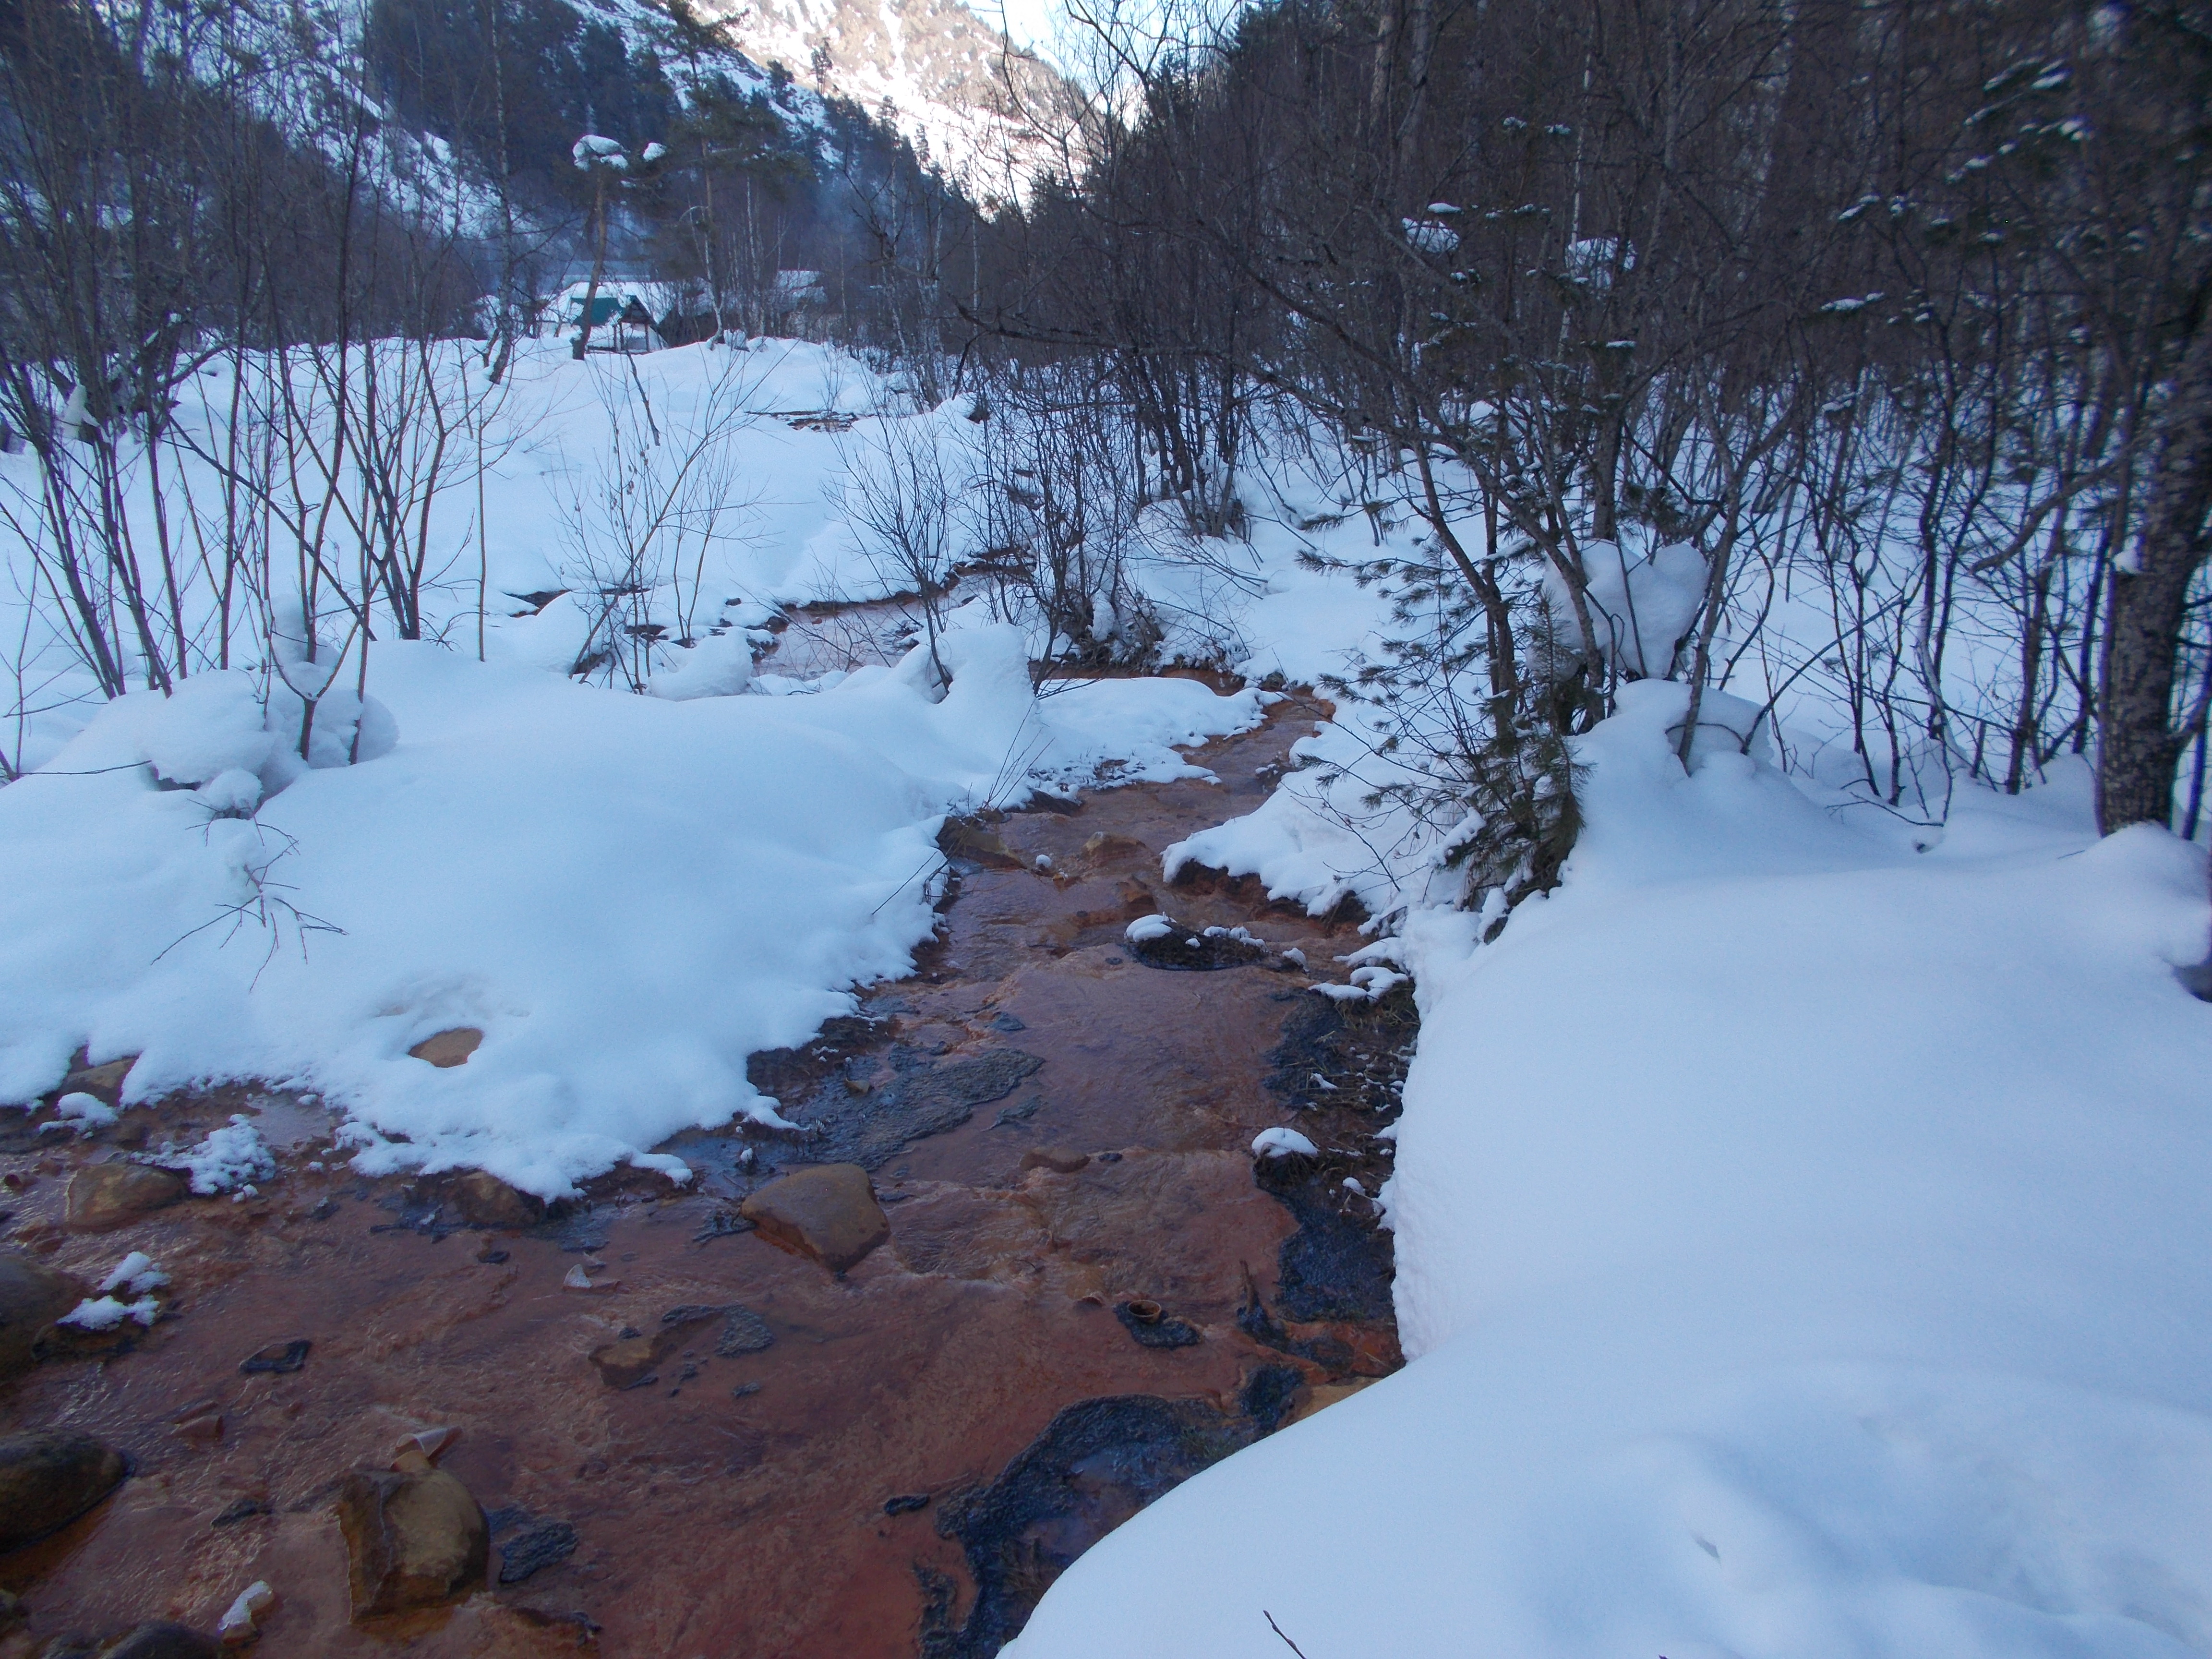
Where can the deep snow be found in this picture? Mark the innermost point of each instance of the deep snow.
(627, 895)
(1801, 1246)
(1800, 1213)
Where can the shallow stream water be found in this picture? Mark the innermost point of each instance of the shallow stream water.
(1090, 1291)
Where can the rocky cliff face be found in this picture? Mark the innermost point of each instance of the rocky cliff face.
(953, 82)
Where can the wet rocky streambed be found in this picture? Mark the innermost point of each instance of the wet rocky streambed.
(1072, 1287)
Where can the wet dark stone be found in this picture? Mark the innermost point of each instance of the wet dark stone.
(722, 1224)
(1266, 1395)
(1159, 1332)
(744, 1332)
(540, 1545)
(1314, 1032)
(1191, 950)
(1013, 1116)
(1096, 1464)
(577, 1231)
(507, 1515)
(48, 1479)
(431, 1215)
(1360, 1048)
(1263, 1328)
(920, 1099)
(906, 1502)
(164, 1641)
(32, 1297)
(1333, 1266)
(244, 1509)
(1336, 1266)
(323, 1210)
(277, 1357)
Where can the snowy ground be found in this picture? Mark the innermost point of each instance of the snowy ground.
(1799, 1214)
(1800, 1244)
(628, 894)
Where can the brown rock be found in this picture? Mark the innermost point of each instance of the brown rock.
(413, 1539)
(445, 1050)
(1063, 1160)
(630, 1360)
(30, 1299)
(829, 1211)
(491, 1202)
(105, 1195)
(970, 839)
(206, 1427)
(101, 1080)
(164, 1641)
(47, 1480)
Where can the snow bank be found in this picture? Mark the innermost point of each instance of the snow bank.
(627, 896)
(1317, 840)
(1801, 1247)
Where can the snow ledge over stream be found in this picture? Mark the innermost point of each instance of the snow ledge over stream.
(627, 896)
(1801, 1246)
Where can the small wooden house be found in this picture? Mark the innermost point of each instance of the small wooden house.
(619, 321)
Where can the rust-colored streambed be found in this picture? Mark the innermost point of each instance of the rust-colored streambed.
(1090, 1290)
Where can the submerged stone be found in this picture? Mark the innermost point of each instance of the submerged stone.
(540, 1545)
(30, 1299)
(48, 1479)
(413, 1539)
(828, 1212)
(105, 1195)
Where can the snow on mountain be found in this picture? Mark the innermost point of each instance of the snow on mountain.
(952, 83)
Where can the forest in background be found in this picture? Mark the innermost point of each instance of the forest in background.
(1837, 357)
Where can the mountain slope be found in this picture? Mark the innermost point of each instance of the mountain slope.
(969, 99)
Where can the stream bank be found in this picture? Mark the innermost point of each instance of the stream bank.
(1089, 1291)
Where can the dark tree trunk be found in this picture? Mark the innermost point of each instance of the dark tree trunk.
(2140, 746)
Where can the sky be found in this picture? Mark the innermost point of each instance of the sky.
(1028, 23)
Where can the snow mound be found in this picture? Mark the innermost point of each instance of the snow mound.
(135, 1273)
(231, 1160)
(1283, 1143)
(1799, 1249)
(1640, 606)
(718, 666)
(627, 896)
(105, 1313)
(85, 1111)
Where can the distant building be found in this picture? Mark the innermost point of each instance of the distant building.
(620, 320)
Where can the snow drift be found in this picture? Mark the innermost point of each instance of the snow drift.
(1800, 1247)
(627, 895)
